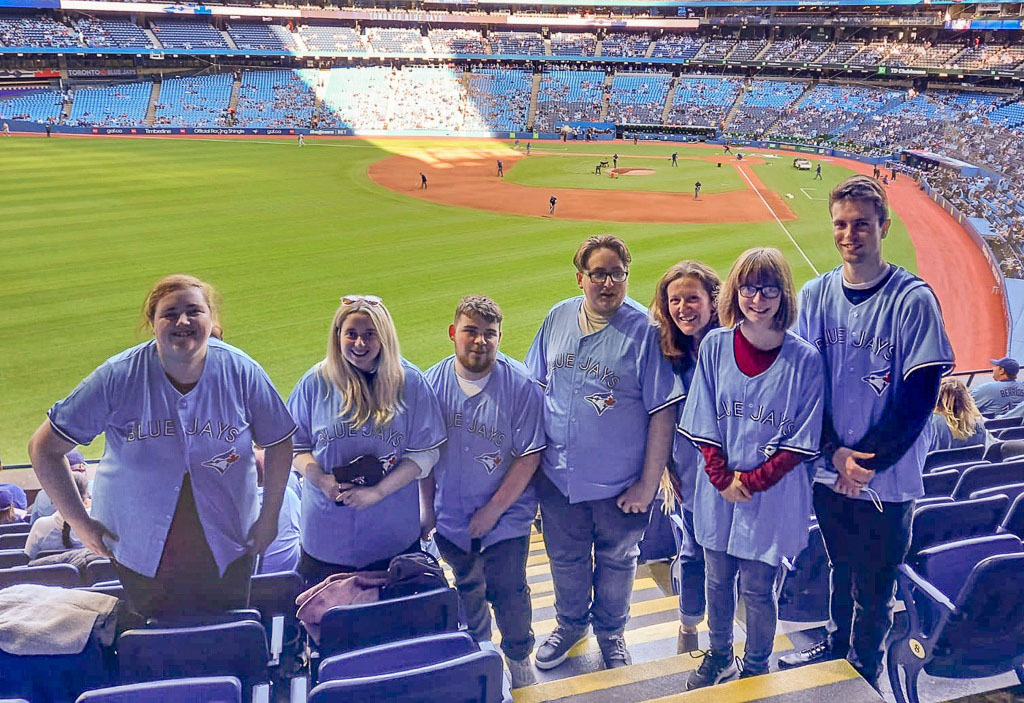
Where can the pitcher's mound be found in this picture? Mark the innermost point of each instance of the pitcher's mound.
(633, 171)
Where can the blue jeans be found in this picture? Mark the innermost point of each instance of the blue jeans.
(593, 549)
(757, 586)
(692, 603)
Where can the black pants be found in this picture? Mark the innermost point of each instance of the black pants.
(496, 575)
(187, 581)
(865, 547)
(313, 571)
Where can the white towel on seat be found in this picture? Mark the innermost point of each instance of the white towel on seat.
(47, 620)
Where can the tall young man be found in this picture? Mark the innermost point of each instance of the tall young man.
(879, 329)
(608, 421)
(479, 495)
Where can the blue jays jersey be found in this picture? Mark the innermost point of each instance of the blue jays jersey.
(599, 392)
(869, 350)
(486, 434)
(750, 418)
(998, 397)
(155, 434)
(338, 534)
(941, 437)
(685, 457)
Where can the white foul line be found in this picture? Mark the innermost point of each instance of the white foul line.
(784, 228)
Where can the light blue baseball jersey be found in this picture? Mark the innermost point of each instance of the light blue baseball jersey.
(941, 437)
(750, 418)
(685, 457)
(1017, 411)
(869, 350)
(284, 552)
(338, 534)
(998, 397)
(154, 435)
(599, 392)
(486, 434)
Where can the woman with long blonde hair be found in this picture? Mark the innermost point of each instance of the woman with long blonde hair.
(369, 426)
(956, 422)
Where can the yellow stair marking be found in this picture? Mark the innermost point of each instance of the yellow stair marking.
(612, 678)
(760, 687)
(535, 559)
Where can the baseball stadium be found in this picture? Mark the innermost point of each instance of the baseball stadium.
(400, 155)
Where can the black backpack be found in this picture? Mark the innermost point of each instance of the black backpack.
(411, 573)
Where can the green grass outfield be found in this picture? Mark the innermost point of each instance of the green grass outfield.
(89, 224)
(567, 171)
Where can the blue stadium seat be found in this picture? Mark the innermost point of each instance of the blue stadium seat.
(12, 557)
(1010, 490)
(804, 594)
(99, 571)
(397, 656)
(986, 476)
(273, 595)
(224, 649)
(961, 467)
(1002, 423)
(940, 483)
(15, 540)
(63, 575)
(472, 678)
(935, 524)
(212, 689)
(15, 528)
(945, 457)
(965, 608)
(1014, 520)
(1011, 433)
(345, 628)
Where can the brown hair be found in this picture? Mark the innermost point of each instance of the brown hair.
(958, 408)
(174, 283)
(761, 265)
(478, 306)
(7, 515)
(600, 241)
(860, 187)
(675, 345)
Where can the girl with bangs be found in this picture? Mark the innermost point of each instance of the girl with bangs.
(684, 312)
(369, 426)
(754, 411)
(956, 422)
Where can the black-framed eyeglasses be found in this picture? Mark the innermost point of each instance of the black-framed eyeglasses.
(599, 277)
(368, 299)
(769, 292)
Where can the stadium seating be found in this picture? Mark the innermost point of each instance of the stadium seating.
(63, 575)
(1014, 520)
(1010, 490)
(180, 34)
(715, 49)
(345, 40)
(569, 96)
(638, 98)
(40, 106)
(212, 689)
(946, 457)
(397, 656)
(935, 524)
(356, 97)
(10, 558)
(123, 105)
(261, 37)
(762, 104)
(395, 41)
(573, 44)
(274, 99)
(617, 44)
(703, 101)
(1002, 423)
(804, 593)
(199, 101)
(965, 607)
(501, 97)
(676, 46)
(828, 109)
(516, 44)
(96, 32)
(24, 31)
(16, 528)
(457, 42)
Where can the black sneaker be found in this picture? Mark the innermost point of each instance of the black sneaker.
(614, 652)
(713, 670)
(556, 647)
(817, 652)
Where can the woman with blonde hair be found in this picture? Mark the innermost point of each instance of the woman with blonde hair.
(754, 411)
(369, 427)
(684, 311)
(956, 422)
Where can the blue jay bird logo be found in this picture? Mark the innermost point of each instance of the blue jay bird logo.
(223, 461)
(490, 461)
(601, 402)
(879, 381)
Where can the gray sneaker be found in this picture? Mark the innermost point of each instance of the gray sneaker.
(521, 672)
(614, 652)
(713, 670)
(556, 647)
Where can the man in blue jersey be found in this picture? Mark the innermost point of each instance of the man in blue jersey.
(879, 330)
(479, 496)
(608, 418)
(1004, 392)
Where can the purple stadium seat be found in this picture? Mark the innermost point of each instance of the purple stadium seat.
(935, 524)
(397, 656)
(63, 575)
(212, 689)
(987, 476)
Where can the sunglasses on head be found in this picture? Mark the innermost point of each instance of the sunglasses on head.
(368, 299)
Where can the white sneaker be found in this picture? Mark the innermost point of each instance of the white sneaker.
(521, 672)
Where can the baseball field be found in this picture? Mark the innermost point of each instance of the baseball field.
(89, 224)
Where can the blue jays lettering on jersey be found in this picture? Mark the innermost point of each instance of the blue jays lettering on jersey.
(599, 392)
(154, 434)
(486, 434)
(338, 534)
(869, 350)
(998, 397)
(941, 437)
(750, 418)
(685, 457)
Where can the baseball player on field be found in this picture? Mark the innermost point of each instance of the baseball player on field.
(879, 329)
(608, 418)
(479, 496)
(754, 410)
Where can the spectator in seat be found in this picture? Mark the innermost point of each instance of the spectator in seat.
(9, 512)
(956, 422)
(1004, 392)
(53, 532)
(42, 505)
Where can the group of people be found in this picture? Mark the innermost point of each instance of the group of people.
(762, 405)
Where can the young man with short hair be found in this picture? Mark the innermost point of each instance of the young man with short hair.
(879, 330)
(608, 417)
(1004, 392)
(479, 496)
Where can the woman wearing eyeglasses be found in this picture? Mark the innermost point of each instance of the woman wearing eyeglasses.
(754, 410)
(684, 311)
(369, 426)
